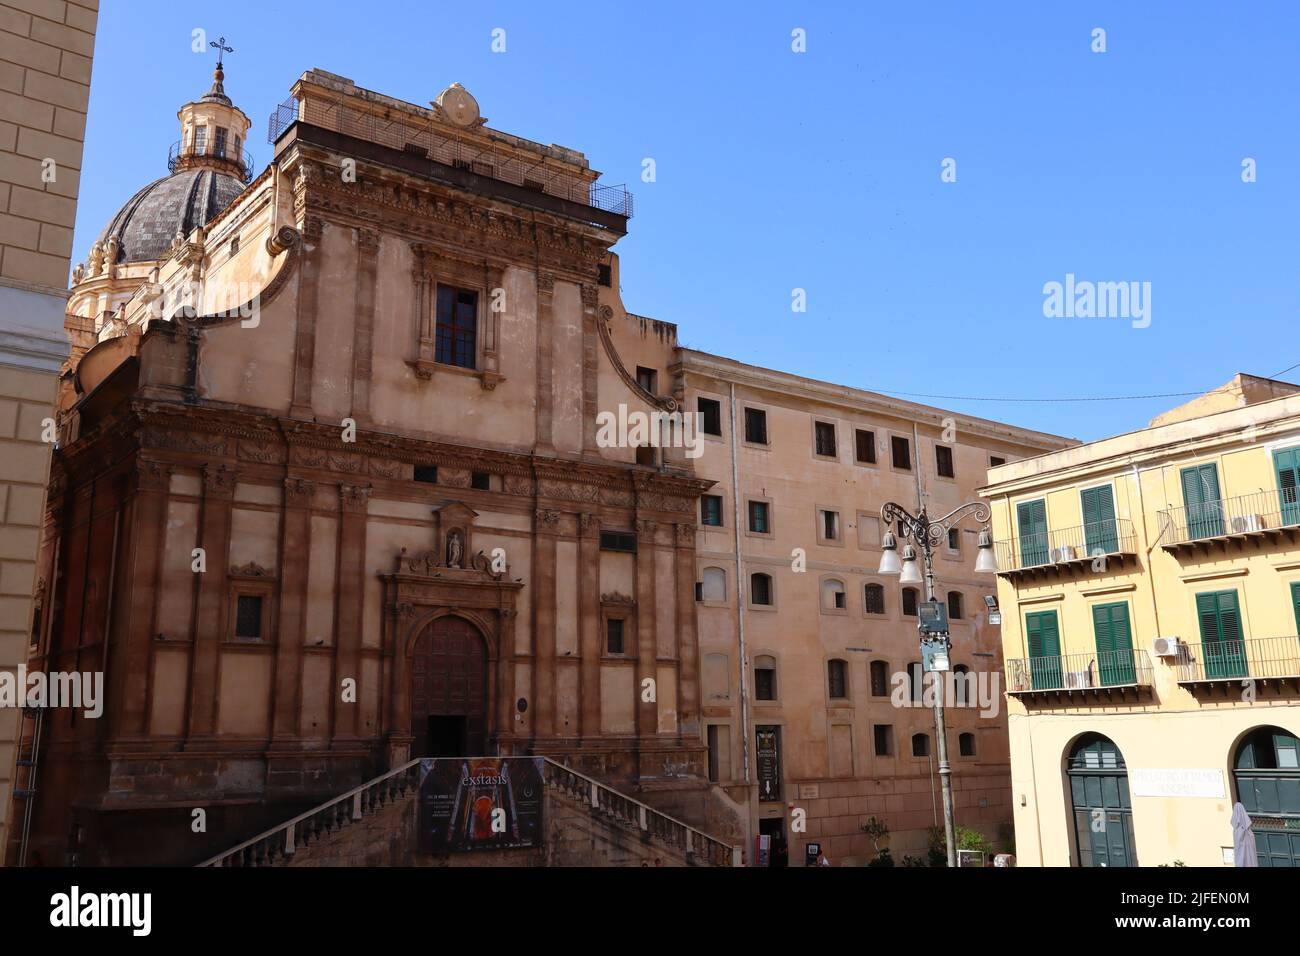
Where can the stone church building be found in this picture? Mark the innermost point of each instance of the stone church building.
(330, 492)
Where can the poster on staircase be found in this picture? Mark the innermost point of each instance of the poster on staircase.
(480, 803)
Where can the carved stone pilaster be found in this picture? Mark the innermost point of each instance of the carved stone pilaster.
(589, 525)
(298, 492)
(353, 498)
(548, 521)
(684, 535)
(150, 475)
(646, 530)
(219, 481)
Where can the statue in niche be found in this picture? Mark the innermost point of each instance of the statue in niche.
(455, 549)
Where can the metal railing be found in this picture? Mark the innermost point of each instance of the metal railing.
(1040, 548)
(1099, 669)
(178, 152)
(1256, 658)
(423, 140)
(281, 842)
(606, 802)
(1259, 511)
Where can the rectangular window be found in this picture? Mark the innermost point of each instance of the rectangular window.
(711, 510)
(836, 680)
(760, 590)
(647, 378)
(713, 749)
(909, 602)
(943, 461)
(200, 139)
(765, 683)
(875, 599)
(879, 679)
(1222, 649)
(825, 439)
(1044, 639)
(864, 443)
(756, 426)
(1031, 519)
(954, 539)
(457, 329)
(427, 474)
(618, 541)
(711, 415)
(901, 450)
(480, 481)
(1100, 535)
(604, 274)
(884, 737)
(758, 515)
(220, 144)
(248, 617)
(830, 525)
(1201, 500)
(614, 635)
(1114, 644)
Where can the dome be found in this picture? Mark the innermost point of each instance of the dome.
(181, 202)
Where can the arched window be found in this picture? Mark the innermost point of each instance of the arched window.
(715, 584)
(966, 745)
(760, 589)
(1266, 769)
(1099, 801)
(837, 679)
(954, 605)
(764, 677)
(833, 595)
(879, 678)
(920, 745)
(874, 598)
(961, 685)
(909, 601)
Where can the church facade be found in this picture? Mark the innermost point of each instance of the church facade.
(335, 488)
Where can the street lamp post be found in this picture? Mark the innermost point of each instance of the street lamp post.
(928, 532)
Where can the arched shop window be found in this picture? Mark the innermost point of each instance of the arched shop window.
(1266, 769)
(1099, 803)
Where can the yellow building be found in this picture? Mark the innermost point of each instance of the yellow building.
(1149, 586)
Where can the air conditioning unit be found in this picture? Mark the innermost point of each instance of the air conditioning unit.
(1165, 647)
(1243, 523)
(1063, 553)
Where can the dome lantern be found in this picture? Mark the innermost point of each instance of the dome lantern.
(213, 129)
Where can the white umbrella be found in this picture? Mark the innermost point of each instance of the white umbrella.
(1243, 838)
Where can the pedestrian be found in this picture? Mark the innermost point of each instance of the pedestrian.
(822, 859)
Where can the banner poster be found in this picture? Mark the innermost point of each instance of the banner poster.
(480, 803)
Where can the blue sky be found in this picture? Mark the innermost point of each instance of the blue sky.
(821, 170)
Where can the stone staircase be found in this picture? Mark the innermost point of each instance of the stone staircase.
(586, 824)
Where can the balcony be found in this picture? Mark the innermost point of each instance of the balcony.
(1263, 515)
(241, 163)
(1227, 664)
(1066, 548)
(1094, 674)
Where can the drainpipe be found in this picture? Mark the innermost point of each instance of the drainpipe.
(740, 595)
(1151, 584)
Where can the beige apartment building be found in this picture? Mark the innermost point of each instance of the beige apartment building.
(800, 663)
(45, 57)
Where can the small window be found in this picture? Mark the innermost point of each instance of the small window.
(995, 460)
(604, 275)
(645, 455)
(837, 680)
(916, 681)
(954, 539)
(618, 541)
(884, 737)
(456, 332)
(714, 585)
(954, 605)
(758, 518)
(765, 678)
(248, 617)
(966, 745)
(864, 443)
(614, 635)
(760, 589)
(756, 426)
(220, 145)
(647, 378)
(943, 461)
(480, 481)
(909, 601)
(710, 415)
(901, 449)
(830, 522)
(961, 685)
(714, 753)
(711, 510)
(238, 144)
(824, 433)
(879, 678)
(920, 745)
(200, 139)
(874, 596)
(427, 473)
(833, 594)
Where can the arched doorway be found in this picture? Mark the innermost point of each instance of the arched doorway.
(449, 696)
(1266, 769)
(1099, 801)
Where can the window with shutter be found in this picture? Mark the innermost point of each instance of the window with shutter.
(1201, 499)
(1099, 531)
(1222, 647)
(1110, 625)
(1287, 463)
(1031, 517)
(1044, 650)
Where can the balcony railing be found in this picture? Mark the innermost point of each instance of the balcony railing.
(1257, 513)
(1079, 672)
(178, 153)
(1083, 542)
(423, 140)
(1260, 658)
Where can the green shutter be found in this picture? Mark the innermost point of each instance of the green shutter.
(1201, 499)
(1295, 604)
(1044, 650)
(1099, 531)
(1287, 463)
(1031, 516)
(1222, 647)
(1114, 643)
